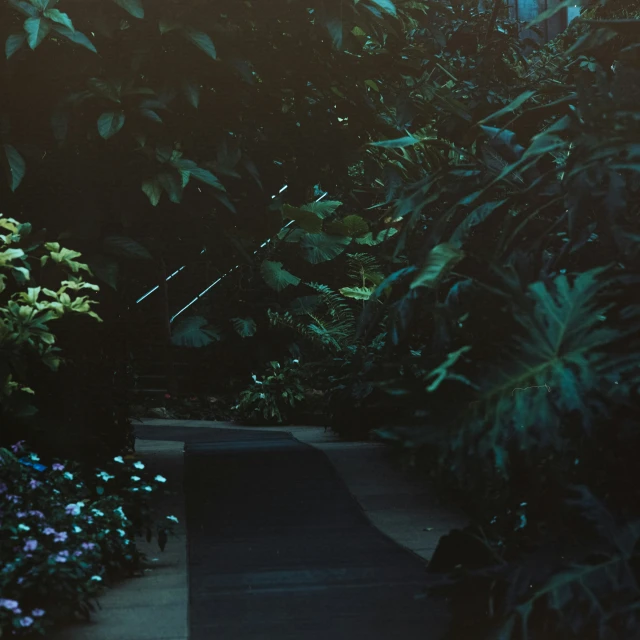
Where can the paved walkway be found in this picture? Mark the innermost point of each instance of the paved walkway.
(281, 542)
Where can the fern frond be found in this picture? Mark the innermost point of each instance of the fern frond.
(364, 269)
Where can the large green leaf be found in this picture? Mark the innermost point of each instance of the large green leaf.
(37, 30)
(76, 37)
(124, 247)
(134, 7)
(307, 220)
(245, 327)
(153, 190)
(57, 16)
(320, 247)
(191, 92)
(13, 43)
(202, 41)
(109, 123)
(324, 208)
(277, 277)
(441, 259)
(207, 177)
(172, 184)
(16, 165)
(104, 268)
(510, 108)
(387, 6)
(194, 332)
(356, 225)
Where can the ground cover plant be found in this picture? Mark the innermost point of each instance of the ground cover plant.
(66, 533)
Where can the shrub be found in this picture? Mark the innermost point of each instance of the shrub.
(270, 397)
(63, 536)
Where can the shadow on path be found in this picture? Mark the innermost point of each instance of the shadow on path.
(279, 550)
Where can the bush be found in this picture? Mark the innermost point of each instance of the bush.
(63, 536)
(270, 398)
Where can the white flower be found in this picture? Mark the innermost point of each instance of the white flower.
(97, 512)
(23, 527)
(118, 459)
(172, 518)
(67, 475)
(160, 479)
(121, 533)
(138, 465)
(147, 488)
(96, 578)
(103, 475)
(135, 478)
(76, 529)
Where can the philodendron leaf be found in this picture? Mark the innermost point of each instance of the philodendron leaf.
(277, 277)
(357, 293)
(441, 259)
(110, 123)
(134, 7)
(13, 43)
(16, 164)
(194, 332)
(324, 208)
(153, 190)
(307, 220)
(320, 247)
(245, 327)
(123, 247)
(202, 41)
(37, 30)
(356, 225)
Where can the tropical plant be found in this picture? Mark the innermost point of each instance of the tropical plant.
(27, 310)
(270, 398)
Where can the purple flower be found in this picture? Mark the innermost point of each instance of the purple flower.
(77, 553)
(38, 613)
(30, 545)
(74, 508)
(88, 545)
(62, 556)
(3, 487)
(37, 514)
(26, 621)
(49, 531)
(33, 483)
(17, 447)
(21, 514)
(56, 466)
(60, 537)
(12, 605)
(20, 580)
(14, 499)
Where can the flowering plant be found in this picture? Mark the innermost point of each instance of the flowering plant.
(64, 536)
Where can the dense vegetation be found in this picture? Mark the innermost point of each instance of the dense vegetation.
(465, 287)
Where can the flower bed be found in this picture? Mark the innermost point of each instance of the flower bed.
(65, 534)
